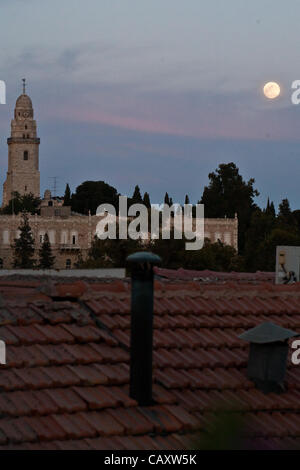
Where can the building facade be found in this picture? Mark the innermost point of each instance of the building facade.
(69, 234)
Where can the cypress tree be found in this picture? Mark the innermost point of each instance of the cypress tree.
(137, 197)
(146, 201)
(67, 196)
(46, 259)
(23, 247)
(167, 199)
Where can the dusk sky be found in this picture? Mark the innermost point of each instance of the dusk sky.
(156, 93)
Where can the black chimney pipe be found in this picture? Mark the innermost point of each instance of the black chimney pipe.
(141, 341)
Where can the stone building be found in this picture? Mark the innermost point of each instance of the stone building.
(69, 233)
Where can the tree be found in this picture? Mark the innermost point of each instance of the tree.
(214, 256)
(187, 199)
(146, 201)
(23, 248)
(137, 197)
(67, 196)
(270, 209)
(109, 253)
(284, 209)
(228, 194)
(285, 216)
(46, 260)
(167, 199)
(28, 203)
(261, 225)
(90, 194)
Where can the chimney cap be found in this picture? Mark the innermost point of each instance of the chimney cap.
(267, 332)
(144, 257)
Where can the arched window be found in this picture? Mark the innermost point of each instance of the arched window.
(68, 263)
(25, 126)
(26, 154)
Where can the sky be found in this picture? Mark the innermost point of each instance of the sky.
(156, 93)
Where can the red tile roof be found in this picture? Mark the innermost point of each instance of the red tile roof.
(66, 382)
(213, 276)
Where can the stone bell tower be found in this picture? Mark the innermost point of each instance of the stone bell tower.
(23, 174)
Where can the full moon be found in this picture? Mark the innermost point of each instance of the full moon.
(271, 90)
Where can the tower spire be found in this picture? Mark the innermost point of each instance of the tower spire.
(24, 85)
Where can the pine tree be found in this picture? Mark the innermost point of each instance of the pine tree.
(284, 209)
(46, 260)
(23, 247)
(137, 197)
(67, 196)
(146, 200)
(187, 199)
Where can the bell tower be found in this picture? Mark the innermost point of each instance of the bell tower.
(23, 174)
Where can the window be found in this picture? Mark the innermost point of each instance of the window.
(68, 263)
(1, 263)
(27, 136)
(26, 155)
(25, 126)
(50, 203)
(25, 189)
(23, 136)
(52, 236)
(227, 238)
(5, 237)
(74, 237)
(64, 237)
(42, 237)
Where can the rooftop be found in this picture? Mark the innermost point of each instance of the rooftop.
(66, 382)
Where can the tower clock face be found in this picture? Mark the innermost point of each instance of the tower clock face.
(25, 114)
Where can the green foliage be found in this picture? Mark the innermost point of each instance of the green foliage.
(214, 256)
(146, 201)
(90, 194)
(137, 197)
(46, 260)
(23, 247)
(167, 199)
(67, 196)
(228, 194)
(109, 253)
(28, 203)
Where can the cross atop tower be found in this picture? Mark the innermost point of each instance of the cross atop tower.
(24, 86)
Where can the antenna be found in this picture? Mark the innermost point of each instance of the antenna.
(54, 187)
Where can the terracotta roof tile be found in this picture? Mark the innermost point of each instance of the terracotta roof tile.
(66, 382)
